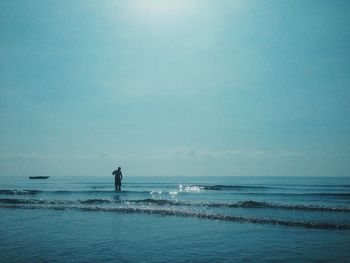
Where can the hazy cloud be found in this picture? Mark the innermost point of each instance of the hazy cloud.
(20, 156)
(188, 152)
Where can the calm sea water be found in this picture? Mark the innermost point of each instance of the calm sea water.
(175, 219)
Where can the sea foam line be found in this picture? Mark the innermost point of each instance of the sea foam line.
(249, 204)
(182, 213)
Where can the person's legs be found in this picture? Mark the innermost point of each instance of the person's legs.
(118, 185)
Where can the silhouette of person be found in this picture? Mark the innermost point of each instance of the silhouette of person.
(118, 177)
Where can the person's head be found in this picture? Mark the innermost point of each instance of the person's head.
(119, 168)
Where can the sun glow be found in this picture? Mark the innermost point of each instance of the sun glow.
(161, 11)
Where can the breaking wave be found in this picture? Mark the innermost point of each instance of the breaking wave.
(222, 187)
(167, 211)
(244, 204)
(164, 202)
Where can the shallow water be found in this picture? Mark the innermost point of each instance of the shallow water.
(175, 219)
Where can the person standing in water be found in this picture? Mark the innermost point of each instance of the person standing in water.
(118, 177)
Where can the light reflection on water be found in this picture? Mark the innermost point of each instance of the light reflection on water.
(189, 188)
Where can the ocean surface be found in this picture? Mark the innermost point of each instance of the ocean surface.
(175, 219)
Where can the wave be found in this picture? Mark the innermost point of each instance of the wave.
(222, 187)
(95, 201)
(26, 204)
(101, 187)
(241, 204)
(319, 185)
(238, 188)
(18, 192)
(255, 204)
(332, 195)
(222, 217)
(249, 204)
(342, 195)
(34, 192)
(190, 189)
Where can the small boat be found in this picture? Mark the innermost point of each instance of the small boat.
(38, 177)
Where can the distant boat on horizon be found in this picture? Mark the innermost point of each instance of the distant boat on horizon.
(38, 177)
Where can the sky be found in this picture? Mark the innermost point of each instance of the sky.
(175, 88)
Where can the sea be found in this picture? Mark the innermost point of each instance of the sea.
(175, 219)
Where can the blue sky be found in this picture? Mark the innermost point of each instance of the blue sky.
(175, 87)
